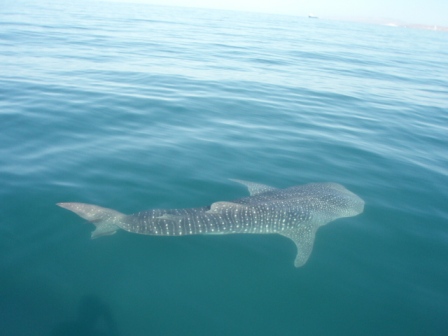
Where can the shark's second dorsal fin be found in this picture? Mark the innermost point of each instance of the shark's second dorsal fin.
(254, 188)
(303, 237)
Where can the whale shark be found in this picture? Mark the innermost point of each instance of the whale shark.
(295, 212)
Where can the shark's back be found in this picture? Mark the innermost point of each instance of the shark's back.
(326, 201)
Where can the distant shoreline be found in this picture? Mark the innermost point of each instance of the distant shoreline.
(391, 23)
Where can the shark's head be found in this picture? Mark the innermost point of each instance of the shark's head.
(355, 205)
(346, 203)
(338, 202)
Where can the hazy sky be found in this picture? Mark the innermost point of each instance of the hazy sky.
(433, 12)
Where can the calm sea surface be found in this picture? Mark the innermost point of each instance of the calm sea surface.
(134, 107)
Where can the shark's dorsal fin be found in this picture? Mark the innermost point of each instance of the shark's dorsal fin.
(303, 237)
(219, 207)
(254, 188)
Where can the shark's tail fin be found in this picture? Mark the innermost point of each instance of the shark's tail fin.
(106, 220)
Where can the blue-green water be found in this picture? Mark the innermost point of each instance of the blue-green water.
(134, 107)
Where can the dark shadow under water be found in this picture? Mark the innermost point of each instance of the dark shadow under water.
(94, 318)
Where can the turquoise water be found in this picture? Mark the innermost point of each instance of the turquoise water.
(134, 107)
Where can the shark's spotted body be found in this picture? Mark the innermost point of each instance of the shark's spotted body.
(295, 212)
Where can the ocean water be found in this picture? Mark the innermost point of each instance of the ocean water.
(134, 107)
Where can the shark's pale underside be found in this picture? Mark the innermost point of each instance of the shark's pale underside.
(295, 212)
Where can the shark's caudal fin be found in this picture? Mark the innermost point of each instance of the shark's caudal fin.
(105, 220)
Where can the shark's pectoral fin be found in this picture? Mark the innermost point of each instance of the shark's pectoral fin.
(219, 207)
(254, 188)
(303, 237)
